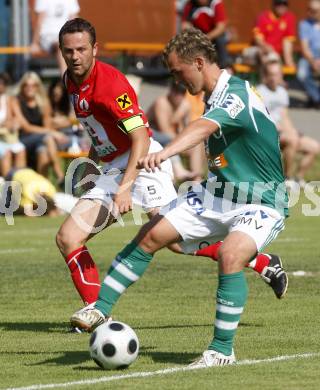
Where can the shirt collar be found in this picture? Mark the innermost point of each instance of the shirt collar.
(219, 89)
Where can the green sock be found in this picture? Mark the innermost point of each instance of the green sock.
(231, 297)
(126, 269)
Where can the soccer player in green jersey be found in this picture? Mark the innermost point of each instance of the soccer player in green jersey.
(243, 202)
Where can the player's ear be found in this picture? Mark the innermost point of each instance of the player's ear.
(199, 61)
(95, 49)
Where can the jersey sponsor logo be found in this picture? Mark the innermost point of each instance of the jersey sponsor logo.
(233, 105)
(251, 218)
(217, 162)
(84, 105)
(98, 135)
(124, 101)
(194, 201)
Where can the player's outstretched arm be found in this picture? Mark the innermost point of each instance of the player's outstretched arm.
(195, 133)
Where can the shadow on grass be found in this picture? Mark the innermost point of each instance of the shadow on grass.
(72, 358)
(177, 358)
(57, 327)
(154, 327)
(60, 327)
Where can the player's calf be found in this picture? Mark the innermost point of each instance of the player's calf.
(269, 267)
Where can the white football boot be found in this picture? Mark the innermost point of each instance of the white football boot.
(88, 318)
(212, 358)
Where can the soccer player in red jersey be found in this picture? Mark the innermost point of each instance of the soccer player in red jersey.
(107, 106)
(275, 31)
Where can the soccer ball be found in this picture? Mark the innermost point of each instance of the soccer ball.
(114, 345)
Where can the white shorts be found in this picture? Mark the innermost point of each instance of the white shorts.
(150, 190)
(200, 226)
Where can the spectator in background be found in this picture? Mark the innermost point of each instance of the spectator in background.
(62, 114)
(167, 116)
(208, 16)
(309, 64)
(275, 33)
(12, 152)
(292, 143)
(50, 15)
(32, 112)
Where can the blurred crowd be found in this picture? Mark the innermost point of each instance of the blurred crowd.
(37, 121)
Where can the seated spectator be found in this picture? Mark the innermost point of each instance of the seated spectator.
(309, 64)
(50, 16)
(292, 143)
(274, 34)
(167, 116)
(12, 151)
(209, 17)
(62, 114)
(33, 115)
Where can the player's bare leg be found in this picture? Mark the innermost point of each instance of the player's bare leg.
(268, 266)
(126, 269)
(88, 218)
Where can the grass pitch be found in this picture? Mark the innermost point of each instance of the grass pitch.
(171, 308)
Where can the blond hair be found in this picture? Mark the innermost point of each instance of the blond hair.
(190, 43)
(41, 95)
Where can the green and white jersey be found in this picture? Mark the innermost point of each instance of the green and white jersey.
(244, 158)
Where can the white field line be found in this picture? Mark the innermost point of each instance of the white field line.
(166, 371)
(301, 273)
(54, 230)
(16, 250)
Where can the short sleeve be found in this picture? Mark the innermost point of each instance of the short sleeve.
(304, 31)
(121, 104)
(219, 12)
(259, 28)
(291, 26)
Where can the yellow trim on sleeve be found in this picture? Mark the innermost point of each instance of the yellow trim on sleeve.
(132, 123)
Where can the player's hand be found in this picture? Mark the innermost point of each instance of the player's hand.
(152, 161)
(122, 202)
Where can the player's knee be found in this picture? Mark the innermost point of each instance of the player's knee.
(66, 242)
(228, 257)
(149, 242)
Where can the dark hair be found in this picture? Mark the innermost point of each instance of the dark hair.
(63, 105)
(4, 77)
(77, 25)
(280, 2)
(190, 43)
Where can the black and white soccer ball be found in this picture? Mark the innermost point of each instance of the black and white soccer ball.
(114, 345)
